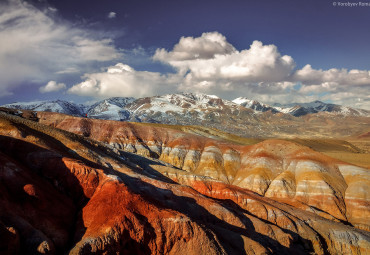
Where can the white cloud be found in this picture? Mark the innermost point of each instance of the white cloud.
(356, 98)
(35, 47)
(52, 9)
(68, 70)
(340, 86)
(52, 86)
(310, 76)
(123, 80)
(112, 15)
(190, 48)
(212, 57)
(210, 64)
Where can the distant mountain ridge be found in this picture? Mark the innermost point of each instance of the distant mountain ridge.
(300, 109)
(124, 108)
(241, 116)
(169, 108)
(60, 106)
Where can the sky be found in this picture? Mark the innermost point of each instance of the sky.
(272, 51)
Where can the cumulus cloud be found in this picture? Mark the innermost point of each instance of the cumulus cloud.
(211, 57)
(35, 47)
(210, 64)
(310, 76)
(112, 15)
(52, 86)
(189, 48)
(123, 80)
(340, 86)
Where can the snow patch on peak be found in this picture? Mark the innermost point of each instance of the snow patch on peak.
(197, 96)
(111, 108)
(241, 100)
(253, 104)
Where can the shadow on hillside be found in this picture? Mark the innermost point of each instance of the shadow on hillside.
(228, 235)
(300, 244)
(49, 165)
(146, 164)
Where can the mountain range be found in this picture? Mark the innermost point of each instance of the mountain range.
(241, 116)
(124, 108)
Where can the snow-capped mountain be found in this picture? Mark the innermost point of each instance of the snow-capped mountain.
(255, 105)
(60, 106)
(300, 109)
(184, 108)
(111, 108)
(241, 116)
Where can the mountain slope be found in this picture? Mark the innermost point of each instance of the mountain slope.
(60, 106)
(184, 108)
(300, 109)
(255, 105)
(111, 108)
(64, 193)
(273, 168)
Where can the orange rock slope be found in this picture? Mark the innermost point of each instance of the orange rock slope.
(62, 192)
(278, 169)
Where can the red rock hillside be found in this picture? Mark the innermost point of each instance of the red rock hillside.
(118, 188)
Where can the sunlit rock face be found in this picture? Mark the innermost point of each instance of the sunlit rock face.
(81, 194)
(273, 168)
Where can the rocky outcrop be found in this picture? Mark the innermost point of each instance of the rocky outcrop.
(61, 192)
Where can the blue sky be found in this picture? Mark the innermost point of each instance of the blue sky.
(80, 50)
